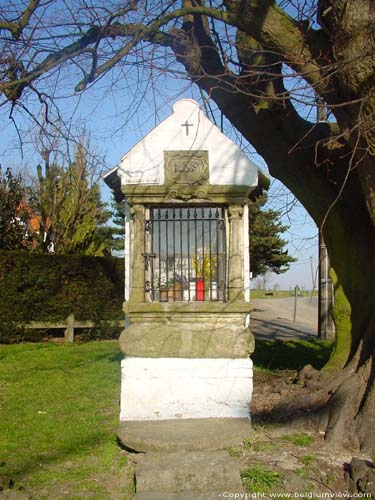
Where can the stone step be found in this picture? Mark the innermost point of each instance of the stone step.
(184, 472)
(194, 434)
(187, 495)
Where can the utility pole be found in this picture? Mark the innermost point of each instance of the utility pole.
(326, 327)
(313, 278)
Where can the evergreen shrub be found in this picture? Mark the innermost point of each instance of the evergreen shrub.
(47, 287)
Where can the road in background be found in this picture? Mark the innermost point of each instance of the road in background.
(272, 318)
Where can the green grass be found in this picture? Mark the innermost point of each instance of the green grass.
(59, 407)
(234, 451)
(279, 294)
(259, 446)
(258, 479)
(291, 355)
(261, 294)
(308, 460)
(299, 439)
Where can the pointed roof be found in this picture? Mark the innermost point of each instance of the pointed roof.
(186, 129)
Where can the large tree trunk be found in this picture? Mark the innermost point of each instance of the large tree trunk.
(348, 414)
(347, 409)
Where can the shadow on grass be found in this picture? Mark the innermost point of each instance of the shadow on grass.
(115, 357)
(70, 451)
(112, 357)
(291, 355)
(56, 364)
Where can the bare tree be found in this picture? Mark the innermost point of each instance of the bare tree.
(263, 63)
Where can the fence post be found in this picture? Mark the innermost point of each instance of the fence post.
(69, 332)
(295, 304)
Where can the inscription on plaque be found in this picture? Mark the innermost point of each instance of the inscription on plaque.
(186, 167)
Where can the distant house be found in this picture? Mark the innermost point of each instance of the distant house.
(32, 223)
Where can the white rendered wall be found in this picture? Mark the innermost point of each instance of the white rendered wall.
(170, 388)
(228, 165)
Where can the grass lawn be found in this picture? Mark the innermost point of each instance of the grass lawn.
(291, 355)
(59, 407)
(279, 294)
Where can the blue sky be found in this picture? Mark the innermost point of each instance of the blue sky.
(118, 119)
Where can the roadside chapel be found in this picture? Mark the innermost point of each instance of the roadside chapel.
(187, 342)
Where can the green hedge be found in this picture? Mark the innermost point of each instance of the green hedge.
(36, 287)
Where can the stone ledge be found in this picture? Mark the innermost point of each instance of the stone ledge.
(187, 340)
(193, 434)
(183, 308)
(178, 472)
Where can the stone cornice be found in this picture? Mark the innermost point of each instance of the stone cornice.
(161, 194)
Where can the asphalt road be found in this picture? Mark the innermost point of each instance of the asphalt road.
(272, 318)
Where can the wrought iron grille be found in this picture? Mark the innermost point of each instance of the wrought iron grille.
(185, 257)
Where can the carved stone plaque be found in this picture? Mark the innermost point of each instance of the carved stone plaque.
(186, 167)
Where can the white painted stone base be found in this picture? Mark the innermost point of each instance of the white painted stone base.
(170, 388)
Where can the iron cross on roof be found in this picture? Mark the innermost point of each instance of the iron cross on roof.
(187, 125)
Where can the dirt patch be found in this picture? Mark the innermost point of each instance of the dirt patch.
(269, 388)
(289, 457)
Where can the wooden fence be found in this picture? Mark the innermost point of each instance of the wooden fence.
(69, 326)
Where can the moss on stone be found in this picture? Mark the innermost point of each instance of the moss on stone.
(187, 340)
(343, 324)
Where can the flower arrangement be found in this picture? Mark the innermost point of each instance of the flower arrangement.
(205, 266)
